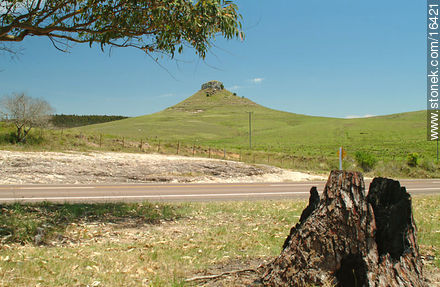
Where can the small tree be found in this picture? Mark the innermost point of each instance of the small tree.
(25, 113)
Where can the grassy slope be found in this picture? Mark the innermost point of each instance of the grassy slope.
(222, 120)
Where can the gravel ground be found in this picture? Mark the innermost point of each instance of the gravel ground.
(112, 167)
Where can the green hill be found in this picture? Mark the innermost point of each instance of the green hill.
(221, 119)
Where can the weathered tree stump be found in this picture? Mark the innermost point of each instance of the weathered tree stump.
(349, 239)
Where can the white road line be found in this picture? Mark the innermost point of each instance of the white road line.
(56, 187)
(423, 188)
(297, 184)
(150, 196)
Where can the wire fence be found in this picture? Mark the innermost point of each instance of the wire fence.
(191, 149)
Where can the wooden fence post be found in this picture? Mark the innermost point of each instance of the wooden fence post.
(209, 152)
(224, 153)
(140, 146)
(123, 141)
(194, 148)
(178, 147)
(158, 147)
(100, 140)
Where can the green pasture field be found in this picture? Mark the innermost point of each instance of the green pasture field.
(221, 121)
(218, 125)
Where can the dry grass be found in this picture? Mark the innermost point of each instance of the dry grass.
(427, 217)
(208, 238)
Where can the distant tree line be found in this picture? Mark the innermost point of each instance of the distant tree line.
(71, 121)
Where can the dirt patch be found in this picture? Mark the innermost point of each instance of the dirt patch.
(113, 167)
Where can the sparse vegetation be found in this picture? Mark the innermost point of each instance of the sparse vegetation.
(212, 237)
(21, 223)
(428, 165)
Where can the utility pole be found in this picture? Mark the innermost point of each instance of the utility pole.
(437, 150)
(250, 130)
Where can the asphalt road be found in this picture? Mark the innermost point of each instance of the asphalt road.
(180, 192)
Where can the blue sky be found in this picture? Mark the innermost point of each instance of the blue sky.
(327, 58)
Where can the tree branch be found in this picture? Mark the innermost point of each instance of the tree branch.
(149, 25)
(215, 276)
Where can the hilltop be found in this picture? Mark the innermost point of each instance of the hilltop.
(208, 99)
(211, 97)
(220, 119)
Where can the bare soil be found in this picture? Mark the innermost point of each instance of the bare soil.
(112, 167)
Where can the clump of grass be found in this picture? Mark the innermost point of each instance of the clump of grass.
(428, 165)
(21, 223)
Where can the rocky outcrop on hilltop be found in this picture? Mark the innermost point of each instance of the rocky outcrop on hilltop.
(213, 85)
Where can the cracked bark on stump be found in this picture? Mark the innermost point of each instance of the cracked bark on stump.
(350, 239)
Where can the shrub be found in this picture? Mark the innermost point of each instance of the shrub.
(412, 159)
(365, 160)
(34, 139)
(9, 138)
